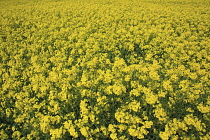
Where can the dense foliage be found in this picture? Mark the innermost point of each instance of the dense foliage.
(104, 69)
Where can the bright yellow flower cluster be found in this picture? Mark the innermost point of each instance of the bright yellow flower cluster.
(108, 69)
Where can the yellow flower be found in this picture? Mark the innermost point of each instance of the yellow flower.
(149, 56)
(118, 89)
(56, 133)
(174, 77)
(167, 85)
(192, 120)
(134, 105)
(84, 131)
(83, 107)
(190, 110)
(4, 135)
(123, 138)
(111, 128)
(71, 128)
(104, 130)
(133, 132)
(193, 76)
(160, 114)
(122, 127)
(127, 78)
(135, 92)
(119, 63)
(203, 109)
(147, 124)
(93, 118)
(162, 94)
(174, 137)
(16, 135)
(44, 124)
(184, 85)
(114, 136)
(154, 75)
(164, 135)
(108, 76)
(151, 98)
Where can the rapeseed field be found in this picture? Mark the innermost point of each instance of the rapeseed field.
(104, 69)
